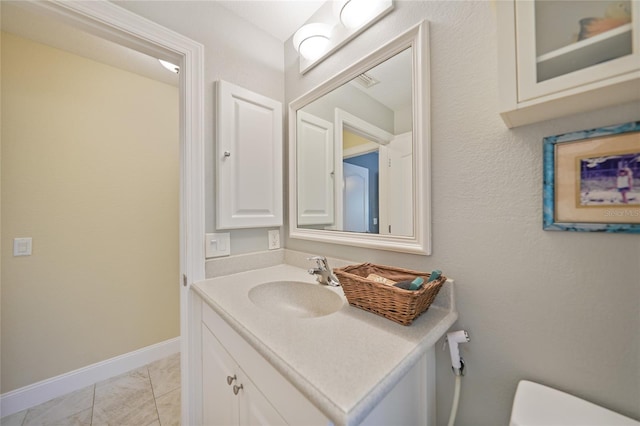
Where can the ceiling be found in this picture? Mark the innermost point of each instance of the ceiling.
(41, 29)
(395, 87)
(279, 18)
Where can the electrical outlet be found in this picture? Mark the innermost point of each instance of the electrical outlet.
(217, 245)
(274, 239)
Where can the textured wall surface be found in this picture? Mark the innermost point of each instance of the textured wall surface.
(235, 51)
(559, 308)
(90, 171)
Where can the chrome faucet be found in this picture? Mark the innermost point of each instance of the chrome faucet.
(323, 272)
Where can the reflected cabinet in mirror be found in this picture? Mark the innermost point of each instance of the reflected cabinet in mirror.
(359, 152)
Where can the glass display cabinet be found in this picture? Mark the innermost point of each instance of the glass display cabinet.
(559, 57)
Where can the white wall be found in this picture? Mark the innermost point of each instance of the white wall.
(356, 102)
(235, 51)
(545, 306)
(561, 308)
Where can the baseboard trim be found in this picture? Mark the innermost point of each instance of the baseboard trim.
(37, 393)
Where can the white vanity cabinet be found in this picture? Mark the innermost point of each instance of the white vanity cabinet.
(239, 387)
(558, 57)
(230, 396)
(348, 367)
(248, 159)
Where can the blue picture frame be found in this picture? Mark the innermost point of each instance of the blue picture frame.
(632, 211)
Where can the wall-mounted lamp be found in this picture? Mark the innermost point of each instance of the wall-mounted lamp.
(354, 13)
(339, 22)
(311, 40)
(171, 67)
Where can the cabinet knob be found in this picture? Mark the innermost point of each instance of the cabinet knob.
(227, 154)
(230, 379)
(236, 389)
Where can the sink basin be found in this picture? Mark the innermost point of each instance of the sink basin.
(296, 299)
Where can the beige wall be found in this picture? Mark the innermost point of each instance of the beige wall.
(90, 171)
(350, 140)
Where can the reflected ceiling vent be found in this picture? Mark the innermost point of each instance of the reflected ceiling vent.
(366, 80)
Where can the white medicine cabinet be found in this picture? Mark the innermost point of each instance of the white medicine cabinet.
(248, 159)
(559, 57)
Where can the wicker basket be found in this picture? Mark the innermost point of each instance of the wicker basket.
(396, 304)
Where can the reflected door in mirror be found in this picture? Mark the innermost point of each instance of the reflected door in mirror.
(396, 186)
(315, 171)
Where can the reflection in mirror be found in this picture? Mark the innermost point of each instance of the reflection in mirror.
(355, 154)
(359, 170)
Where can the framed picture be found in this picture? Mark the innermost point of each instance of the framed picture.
(592, 180)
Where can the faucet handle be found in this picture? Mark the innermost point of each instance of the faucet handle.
(321, 261)
(323, 272)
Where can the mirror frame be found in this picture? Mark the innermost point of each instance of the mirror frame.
(419, 243)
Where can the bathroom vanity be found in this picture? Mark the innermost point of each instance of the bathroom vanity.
(279, 348)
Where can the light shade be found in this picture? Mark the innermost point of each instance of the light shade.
(311, 40)
(354, 13)
(171, 67)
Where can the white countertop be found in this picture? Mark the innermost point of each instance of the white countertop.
(345, 362)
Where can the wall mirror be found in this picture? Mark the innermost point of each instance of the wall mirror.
(359, 152)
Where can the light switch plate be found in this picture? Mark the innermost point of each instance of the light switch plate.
(217, 245)
(22, 246)
(274, 239)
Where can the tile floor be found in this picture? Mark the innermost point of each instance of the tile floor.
(148, 396)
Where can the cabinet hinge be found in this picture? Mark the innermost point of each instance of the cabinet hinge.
(184, 280)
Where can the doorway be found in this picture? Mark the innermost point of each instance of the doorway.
(361, 196)
(111, 22)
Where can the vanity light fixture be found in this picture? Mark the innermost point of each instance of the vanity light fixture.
(171, 67)
(311, 40)
(338, 23)
(354, 13)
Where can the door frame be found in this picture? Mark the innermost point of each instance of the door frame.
(345, 120)
(109, 21)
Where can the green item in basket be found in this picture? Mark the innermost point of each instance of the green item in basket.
(416, 284)
(435, 274)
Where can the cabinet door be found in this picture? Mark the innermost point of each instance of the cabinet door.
(219, 404)
(255, 409)
(563, 45)
(290, 404)
(315, 170)
(396, 186)
(249, 159)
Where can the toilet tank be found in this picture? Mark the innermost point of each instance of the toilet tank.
(539, 405)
